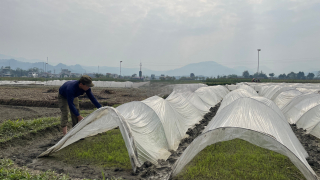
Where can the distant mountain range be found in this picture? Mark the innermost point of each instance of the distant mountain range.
(207, 68)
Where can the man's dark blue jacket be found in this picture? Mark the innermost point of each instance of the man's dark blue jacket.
(71, 90)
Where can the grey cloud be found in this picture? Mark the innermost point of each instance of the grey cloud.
(167, 32)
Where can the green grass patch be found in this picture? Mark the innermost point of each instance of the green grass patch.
(10, 172)
(116, 105)
(10, 129)
(104, 150)
(238, 159)
(15, 129)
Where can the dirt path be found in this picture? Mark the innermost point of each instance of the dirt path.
(23, 112)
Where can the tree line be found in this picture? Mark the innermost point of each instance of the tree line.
(291, 75)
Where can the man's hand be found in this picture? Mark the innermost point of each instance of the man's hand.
(79, 118)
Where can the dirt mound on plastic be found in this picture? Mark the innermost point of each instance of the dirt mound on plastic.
(312, 145)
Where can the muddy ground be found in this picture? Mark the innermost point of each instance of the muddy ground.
(23, 112)
(312, 145)
(24, 152)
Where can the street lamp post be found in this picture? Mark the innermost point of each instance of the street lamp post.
(46, 69)
(258, 61)
(120, 69)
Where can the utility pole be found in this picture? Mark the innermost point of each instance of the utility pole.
(258, 61)
(46, 69)
(120, 69)
(140, 72)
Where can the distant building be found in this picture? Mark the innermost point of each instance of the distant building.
(33, 74)
(65, 73)
(162, 77)
(5, 71)
(75, 75)
(108, 75)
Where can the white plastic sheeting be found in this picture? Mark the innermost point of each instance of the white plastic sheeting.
(285, 97)
(282, 89)
(234, 95)
(248, 88)
(300, 104)
(310, 121)
(102, 120)
(274, 91)
(305, 112)
(306, 90)
(255, 121)
(55, 83)
(296, 111)
(297, 100)
(267, 91)
(22, 83)
(151, 128)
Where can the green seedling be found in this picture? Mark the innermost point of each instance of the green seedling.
(238, 159)
(104, 150)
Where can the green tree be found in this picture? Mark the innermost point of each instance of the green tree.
(232, 76)
(300, 75)
(271, 75)
(260, 75)
(282, 76)
(35, 69)
(192, 75)
(292, 75)
(98, 75)
(245, 74)
(310, 76)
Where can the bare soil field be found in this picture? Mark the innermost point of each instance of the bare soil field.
(23, 112)
(46, 96)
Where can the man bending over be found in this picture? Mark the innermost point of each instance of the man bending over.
(68, 97)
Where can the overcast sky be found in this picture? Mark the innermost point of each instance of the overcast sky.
(162, 34)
